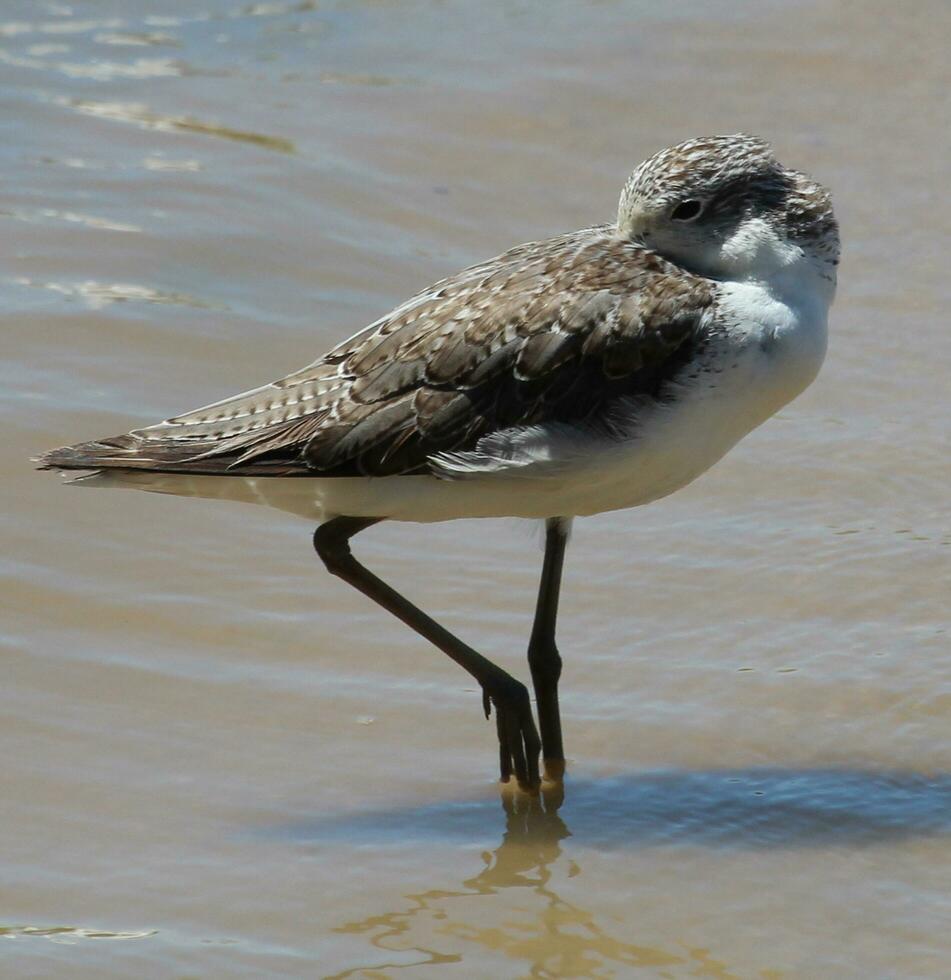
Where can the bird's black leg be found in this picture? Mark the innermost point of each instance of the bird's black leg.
(543, 657)
(518, 737)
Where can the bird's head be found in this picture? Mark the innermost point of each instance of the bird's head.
(723, 206)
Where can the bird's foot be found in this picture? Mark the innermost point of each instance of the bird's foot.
(519, 744)
(532, 811)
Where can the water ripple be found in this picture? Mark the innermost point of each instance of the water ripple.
(100, 71)
(99, 294)
(140, 115)
(69, 934)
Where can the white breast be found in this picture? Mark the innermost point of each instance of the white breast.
(769, 353)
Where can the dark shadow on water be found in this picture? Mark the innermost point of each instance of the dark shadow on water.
(741, 808)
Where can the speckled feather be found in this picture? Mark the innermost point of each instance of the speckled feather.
(535, 355)
(553, 331)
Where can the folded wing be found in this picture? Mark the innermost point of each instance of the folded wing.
(549, 333)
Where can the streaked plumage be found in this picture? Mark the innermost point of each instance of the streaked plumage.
(549, 332)
(580, 338)
(597, 370)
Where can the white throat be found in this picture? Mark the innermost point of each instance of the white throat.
(799, 277)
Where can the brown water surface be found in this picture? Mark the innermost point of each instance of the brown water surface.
(219, 761)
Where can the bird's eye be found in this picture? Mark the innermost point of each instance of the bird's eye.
(686, 211)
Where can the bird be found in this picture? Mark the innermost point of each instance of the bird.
(594, 371)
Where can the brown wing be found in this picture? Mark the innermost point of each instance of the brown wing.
(553, 331)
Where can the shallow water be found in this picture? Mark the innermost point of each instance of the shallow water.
(218, 761)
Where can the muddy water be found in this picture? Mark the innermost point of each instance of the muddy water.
(218, 761)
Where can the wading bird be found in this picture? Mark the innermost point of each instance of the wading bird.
(597, 370)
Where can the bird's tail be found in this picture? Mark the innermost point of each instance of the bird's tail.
(127, 452)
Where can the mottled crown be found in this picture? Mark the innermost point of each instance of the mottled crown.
(705, 161)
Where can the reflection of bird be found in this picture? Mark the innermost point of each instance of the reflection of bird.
(598, 370)
(548, 936)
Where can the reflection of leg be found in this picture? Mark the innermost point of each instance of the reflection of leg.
(531, 845)
(518, 738)
(543, 657)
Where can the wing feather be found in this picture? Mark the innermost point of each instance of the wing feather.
(549, 333)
